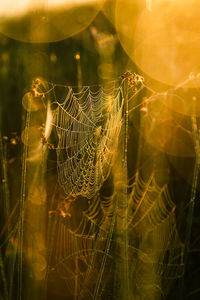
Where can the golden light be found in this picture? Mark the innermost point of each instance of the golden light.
(158, 124)
(77, 56)
(162, 37)
(46, 21)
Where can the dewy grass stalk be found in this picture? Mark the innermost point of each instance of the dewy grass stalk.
(5, 194)
(98, 215)
(191, 204)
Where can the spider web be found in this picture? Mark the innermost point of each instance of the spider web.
(88, 125)
(97, 239)
(87, 251)
(121, 226)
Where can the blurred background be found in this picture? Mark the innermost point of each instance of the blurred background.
(90, 43)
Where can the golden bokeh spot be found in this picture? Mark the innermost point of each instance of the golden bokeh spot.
(163, 41)
(32, 102)
(46, 21)
(77, 56)
(31, 137)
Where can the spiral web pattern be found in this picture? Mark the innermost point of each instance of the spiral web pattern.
(114, 221)
(84, 253)
(88, 125)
